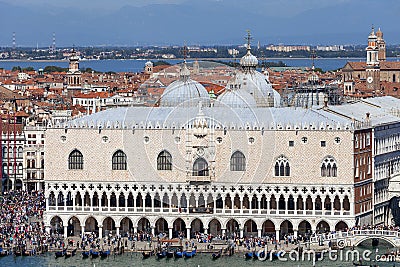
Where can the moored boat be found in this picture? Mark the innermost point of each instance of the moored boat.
(189, 254)
(94, 253)
(147, 254)
(105, 253)
(60, 253)
(85, 254)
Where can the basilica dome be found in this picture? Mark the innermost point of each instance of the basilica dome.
(236, 99)
(184, 92)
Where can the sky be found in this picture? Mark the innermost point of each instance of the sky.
(195, 22)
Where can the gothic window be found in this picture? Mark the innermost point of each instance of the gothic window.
(238, 161)
(75, 160)
(200, 167)
(329, 167)
(119, 160)
(282, 166)
(164, 161)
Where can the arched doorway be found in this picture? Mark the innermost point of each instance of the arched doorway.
(7, 185)
(91, 225)
(144, 225)
(214, 227)
(286, 228)
(268, 228)
(196, 227)
(57, 225)
(74, 227)
(232, 228)
(109, 226)
(18, 184)
(323, 227)
(304, 228)
(126, 226)
(161, 226)
(341, 226)
(250, 228)
(179, 228)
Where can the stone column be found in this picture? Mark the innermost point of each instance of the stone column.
(241, 233)
(65, 231)
(117, 228)
(206, 231)
(188, 233)
(295, 232)
(73, 203)
(82, 230)
(169, 233)
(153, 231)
(259, 205)
(100, 231)
(277, 237)
(223, 204)
(259, 232)
(241, 205)
(223, 232)
(135, 229)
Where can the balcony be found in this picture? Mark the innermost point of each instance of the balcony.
(199, 179)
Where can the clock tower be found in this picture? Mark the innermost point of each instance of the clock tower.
(372, 66)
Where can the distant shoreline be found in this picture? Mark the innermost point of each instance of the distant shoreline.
(178, 59)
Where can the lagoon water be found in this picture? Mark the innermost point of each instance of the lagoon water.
(200, 260)
(135, 65)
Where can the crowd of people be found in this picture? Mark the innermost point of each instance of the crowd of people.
(21, 226)
(21, 223)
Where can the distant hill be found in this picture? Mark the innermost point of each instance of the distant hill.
(200, 22)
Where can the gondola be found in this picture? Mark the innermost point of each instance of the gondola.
(105, 253)
(28, 252)
(189, 254)
(161, 254)
(4, 252)
(70, 253)
(60, 253)
(216, 255)
(147, 254)
(85, 254)
(248, 255)
(259, 254)
(178, 254)
(94, 254)
(170, 254)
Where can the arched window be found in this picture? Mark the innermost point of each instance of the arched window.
(200, 167)
(329, 167)
(75, 160)
(282, 166)
(164, 161)
(20, 151)
(119, 160)
(238, 161)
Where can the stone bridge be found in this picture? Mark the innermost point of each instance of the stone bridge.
(356, 237)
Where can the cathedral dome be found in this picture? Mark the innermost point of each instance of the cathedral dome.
(237, 99)
(249, 60)
(184, 92)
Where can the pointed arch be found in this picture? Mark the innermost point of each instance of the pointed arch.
(329, 167)
(282, 166)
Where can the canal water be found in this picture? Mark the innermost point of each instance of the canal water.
(200, 260)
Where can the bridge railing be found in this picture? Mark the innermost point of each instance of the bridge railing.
(353, 233)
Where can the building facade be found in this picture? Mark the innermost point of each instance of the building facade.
(237, 165)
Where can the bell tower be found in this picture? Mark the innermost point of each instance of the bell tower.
(381, 46)
(372, 67)
(74, 74)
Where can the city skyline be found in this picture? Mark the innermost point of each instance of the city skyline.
(212, 22)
